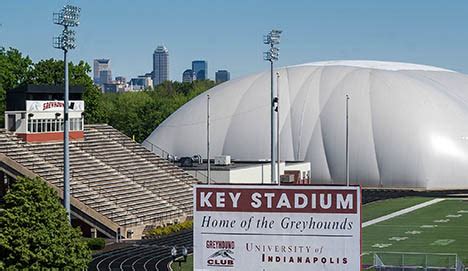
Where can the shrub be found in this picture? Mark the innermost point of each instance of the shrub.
(95, 243)
(161, 231)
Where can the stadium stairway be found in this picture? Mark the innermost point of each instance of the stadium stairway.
(116, 184)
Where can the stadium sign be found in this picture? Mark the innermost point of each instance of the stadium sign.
(252, 227)
(53, 106)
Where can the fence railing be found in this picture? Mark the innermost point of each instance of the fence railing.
(166, 155)
(204, 177)
(157, 150)
(396, 261)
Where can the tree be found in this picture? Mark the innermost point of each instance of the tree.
(35, 233)
(94, 108)
(139, 113)
(50, 72)
(2, 106)
(14, 68)
(47, 72)
(128, 112)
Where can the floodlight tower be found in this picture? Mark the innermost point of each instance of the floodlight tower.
(272, 39)
(67, 17)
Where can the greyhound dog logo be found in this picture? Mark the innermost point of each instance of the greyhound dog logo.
(221, 258)
(223, 253)
(35, 106)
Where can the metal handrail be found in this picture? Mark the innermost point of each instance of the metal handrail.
(204, 175)
(164, 154)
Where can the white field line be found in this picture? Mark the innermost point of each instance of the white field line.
(401, 212)
(169, 266)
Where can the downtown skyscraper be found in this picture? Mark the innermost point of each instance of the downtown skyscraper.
(102, 73)
(160, 65)
(200, 69)
(188, 76)
(222, 76)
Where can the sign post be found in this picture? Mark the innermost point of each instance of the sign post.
(252, 227)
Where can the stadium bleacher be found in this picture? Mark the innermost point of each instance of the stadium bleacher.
(111, 174)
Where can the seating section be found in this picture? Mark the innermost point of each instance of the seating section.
(112, 174)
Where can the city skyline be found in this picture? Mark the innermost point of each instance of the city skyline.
(102, 72)
(428, 32)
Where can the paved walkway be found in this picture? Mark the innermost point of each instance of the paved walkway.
(401, 212)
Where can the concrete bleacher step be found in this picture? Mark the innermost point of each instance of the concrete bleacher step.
(38, 165)
(112, 174)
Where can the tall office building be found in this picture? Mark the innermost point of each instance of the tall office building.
(100, 65)
(188, 76)
(200, 69)
(222, 76)
(105, 77)
(160, 65)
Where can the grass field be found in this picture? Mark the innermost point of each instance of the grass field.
(439, 228)
(384, 207)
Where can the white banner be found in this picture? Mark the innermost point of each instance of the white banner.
(52, 106)
(262, 228)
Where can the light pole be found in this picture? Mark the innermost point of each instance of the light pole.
(272, 39)
(179, 260)
(347, 141)
(208, 162)
(67, 17)
(278, 128)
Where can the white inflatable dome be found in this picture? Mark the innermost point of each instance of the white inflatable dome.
(408, 123)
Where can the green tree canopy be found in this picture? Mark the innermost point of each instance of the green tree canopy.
(139, 113)
(50, 71)
(16, 69)
(35, 233)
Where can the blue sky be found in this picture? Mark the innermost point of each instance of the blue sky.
(228, 34)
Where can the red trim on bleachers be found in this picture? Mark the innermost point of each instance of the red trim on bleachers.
(51, 137)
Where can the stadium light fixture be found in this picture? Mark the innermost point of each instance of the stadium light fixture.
(272, 55)
(67, 17)
(65, 41)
